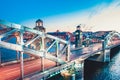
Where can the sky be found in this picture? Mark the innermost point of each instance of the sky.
(63, 15)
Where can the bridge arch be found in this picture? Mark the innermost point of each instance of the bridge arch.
(109, 38)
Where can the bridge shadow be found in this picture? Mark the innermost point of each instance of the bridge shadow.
(114, 51)
(91, 68)
(57, 77)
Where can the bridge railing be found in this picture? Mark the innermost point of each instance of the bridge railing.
(90, 41)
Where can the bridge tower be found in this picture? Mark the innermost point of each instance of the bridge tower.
(105, 52)
(106, 44)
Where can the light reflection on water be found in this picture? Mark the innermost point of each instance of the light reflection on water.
(107, 71)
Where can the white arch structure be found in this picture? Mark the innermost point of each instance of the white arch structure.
(109, 37)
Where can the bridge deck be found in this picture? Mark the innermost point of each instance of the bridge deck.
(12, 71)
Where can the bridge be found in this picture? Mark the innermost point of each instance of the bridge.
(48, 55)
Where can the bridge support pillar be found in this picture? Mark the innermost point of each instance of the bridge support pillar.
(68, 52)
(82, 70)
(106, 52)
(73, 77)
(21, 66)
(43, 48)
(21, 54)
(106, 55)
(79, 69)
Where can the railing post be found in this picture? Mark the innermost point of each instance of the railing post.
(21, 55)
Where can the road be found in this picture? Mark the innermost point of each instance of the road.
(11, 72)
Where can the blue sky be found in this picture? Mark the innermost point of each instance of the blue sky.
(50, 11)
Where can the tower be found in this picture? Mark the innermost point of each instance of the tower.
(39, 22)
(39, 25)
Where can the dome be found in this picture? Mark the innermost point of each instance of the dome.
(78, 26)
(39, 20)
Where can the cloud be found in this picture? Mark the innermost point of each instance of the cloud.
(101, 17)
(107, 19)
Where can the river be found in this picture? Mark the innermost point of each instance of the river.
(104, 71)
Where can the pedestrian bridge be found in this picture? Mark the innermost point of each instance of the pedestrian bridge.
(49, 55)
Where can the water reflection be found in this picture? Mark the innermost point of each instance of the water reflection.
(104, 71)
